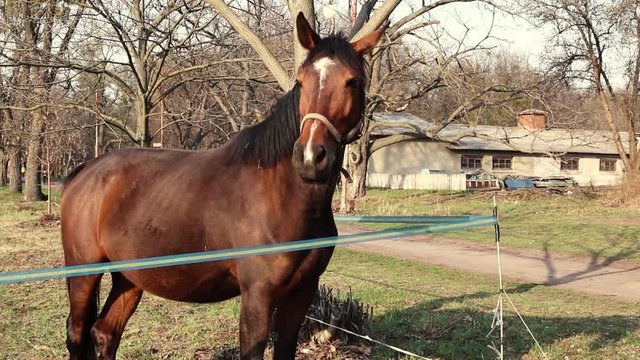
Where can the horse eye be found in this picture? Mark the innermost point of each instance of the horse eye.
(353, 83)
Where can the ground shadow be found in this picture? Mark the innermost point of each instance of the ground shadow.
(345, 351)
(595, 261)
(433, 330)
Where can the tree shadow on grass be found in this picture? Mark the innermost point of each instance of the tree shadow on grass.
(432, 329)
(595, 262)
(380, 325)
(436, 329)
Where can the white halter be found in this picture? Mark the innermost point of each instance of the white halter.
(349, 138)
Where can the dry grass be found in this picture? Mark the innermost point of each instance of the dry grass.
(628, 193)
(426, 309)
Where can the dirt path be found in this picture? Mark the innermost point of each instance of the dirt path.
(619, 280)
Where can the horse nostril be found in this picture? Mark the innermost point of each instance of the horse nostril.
(320, 155)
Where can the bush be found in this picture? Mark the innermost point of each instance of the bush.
(347, 313)
(627, 194)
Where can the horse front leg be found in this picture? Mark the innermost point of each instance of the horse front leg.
(255, 317)
(290, 314)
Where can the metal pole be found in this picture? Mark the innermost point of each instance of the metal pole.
(500, 299)
(96, 150)
(48, 183)
(162, 124)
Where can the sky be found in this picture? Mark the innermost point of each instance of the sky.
(512, 33)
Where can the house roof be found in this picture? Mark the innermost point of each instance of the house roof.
(498, 138)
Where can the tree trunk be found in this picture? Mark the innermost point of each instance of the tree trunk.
(359, 177)
(4, 163)
(358, 155)
(628, 189)
(13, 170)
(143, 131)
(32, 185)
(270, 61)
(356, 162)
(343, 194)
(99, 141)
(306, 7)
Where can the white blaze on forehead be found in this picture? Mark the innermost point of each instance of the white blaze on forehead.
(308, 150)
(322, 66)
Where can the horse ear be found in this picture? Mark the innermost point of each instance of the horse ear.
(307, 37)
(365, 44)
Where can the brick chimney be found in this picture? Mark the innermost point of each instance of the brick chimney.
(532, 119)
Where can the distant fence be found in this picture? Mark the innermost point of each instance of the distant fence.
(418, 181)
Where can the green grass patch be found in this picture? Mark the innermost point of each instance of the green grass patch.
(429, 310)
(573, 224)
(439, 312)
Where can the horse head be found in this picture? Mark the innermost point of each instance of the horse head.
(332, 84)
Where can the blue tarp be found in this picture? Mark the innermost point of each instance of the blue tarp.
(511, 183)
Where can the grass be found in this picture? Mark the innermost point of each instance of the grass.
(426, 309)
(440, 312)
(572, 225)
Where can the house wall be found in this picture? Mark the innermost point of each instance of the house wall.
(588, 172)
(411, 157)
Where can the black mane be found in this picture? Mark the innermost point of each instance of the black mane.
(271, 140)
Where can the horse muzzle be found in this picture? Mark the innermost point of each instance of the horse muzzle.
(313, 162)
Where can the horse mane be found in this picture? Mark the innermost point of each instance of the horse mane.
(271, 140)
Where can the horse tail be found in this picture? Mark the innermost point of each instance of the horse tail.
(72, 175)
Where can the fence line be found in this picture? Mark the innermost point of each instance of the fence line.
(428, 224)
(434, 226)
(456, 182)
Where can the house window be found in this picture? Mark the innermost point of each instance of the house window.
(608, 164)
(502, 162)
(471, 161)
(569, 163)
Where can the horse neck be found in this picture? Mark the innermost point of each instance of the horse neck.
(316, 197)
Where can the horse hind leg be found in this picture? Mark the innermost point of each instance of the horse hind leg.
(83, 310)
(120, 305)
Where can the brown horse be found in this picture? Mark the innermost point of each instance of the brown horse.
(272, 183)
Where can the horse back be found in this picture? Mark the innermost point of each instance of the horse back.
(116, 185)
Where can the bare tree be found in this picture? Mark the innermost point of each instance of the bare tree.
(385, 69)
(133, 71)
(592, 39)
(403, 73)
(145, 46)
(37, 31)
(171, 69)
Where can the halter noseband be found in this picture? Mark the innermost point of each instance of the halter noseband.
(349, 138)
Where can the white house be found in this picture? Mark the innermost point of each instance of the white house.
(530, 149)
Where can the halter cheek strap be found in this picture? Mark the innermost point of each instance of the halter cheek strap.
(349, 138)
